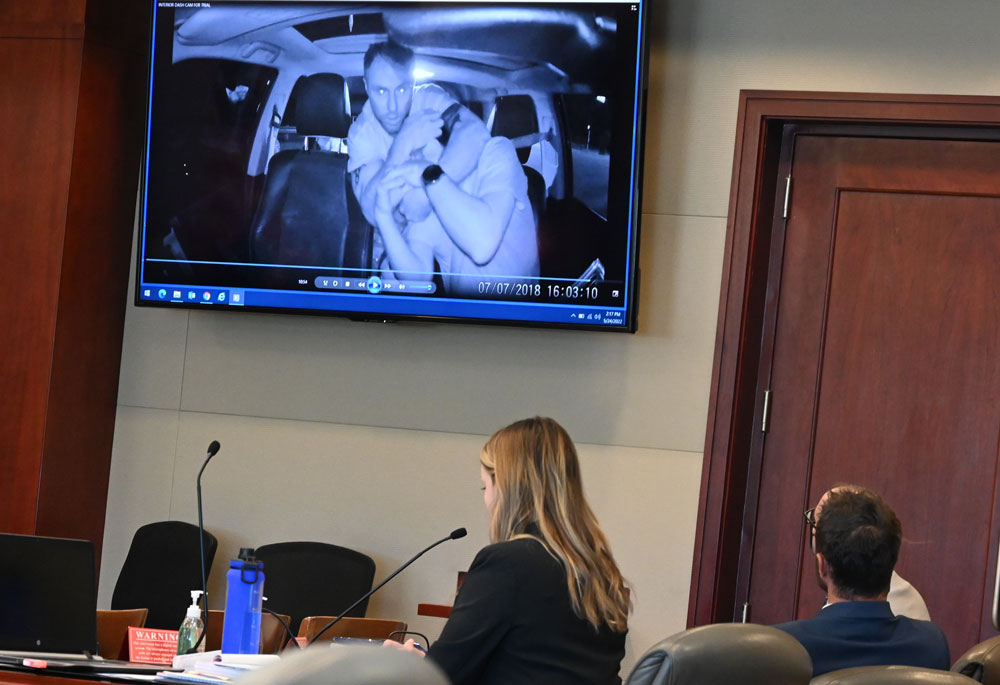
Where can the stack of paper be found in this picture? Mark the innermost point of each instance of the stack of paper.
(213, 667)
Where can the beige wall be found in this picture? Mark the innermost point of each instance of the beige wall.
(367, 435)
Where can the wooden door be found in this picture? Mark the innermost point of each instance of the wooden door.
(881, 353)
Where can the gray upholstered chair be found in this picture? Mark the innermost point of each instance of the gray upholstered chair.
(348, 664)
(981, 662)
(724, 654)
(891, 675)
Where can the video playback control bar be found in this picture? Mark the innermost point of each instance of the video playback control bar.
(374, 285)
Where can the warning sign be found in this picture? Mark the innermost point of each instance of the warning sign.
(152, 646)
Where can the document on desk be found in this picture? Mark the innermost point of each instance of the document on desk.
(206, 672)
(149, 678)
(191, 677)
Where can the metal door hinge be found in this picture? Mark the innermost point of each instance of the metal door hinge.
(788, 195)
(767, 411)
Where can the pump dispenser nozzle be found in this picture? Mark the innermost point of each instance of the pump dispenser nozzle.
(195, 609)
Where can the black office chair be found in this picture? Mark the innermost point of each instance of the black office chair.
(314, 579)
(161, 569)
(308, 213)
(723, 654)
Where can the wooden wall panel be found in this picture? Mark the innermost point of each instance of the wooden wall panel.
(38, 95)
(92, 297)
(71, 108)
(49, 19)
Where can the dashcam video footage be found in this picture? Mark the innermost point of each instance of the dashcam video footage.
(461, 150)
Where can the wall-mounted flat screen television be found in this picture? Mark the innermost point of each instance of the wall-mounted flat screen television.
(453, 161)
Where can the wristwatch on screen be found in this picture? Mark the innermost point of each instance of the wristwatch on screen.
(431, 174)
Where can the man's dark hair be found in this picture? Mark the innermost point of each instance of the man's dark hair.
(859, 536)
(391, 51)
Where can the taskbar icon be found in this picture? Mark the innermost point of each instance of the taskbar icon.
(190, 295)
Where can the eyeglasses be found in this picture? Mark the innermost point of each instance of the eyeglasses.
(810, 517)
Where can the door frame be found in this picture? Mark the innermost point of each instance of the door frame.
(754, 208)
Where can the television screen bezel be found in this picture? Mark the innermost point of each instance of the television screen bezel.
(630, 308)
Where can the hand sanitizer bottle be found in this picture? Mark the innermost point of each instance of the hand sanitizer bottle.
(191, 628)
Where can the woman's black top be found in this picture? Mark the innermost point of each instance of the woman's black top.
(513, 623)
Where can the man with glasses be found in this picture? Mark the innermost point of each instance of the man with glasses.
(904, 599)
(856, 538)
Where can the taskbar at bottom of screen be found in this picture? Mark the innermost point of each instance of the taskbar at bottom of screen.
(377, 306)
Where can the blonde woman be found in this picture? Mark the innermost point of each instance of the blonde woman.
(545, 603)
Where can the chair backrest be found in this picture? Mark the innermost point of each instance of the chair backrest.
(112, 630)
(272, 633)
(314, 579)
(348, 665)
(213, 630)
(515, 117)
(361, 628)
(308, 214)
(891, 675)
(722, 654)
(981, 662)
(163, 565)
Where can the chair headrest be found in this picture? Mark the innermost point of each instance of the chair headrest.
(514, 116)
(722, 654)
(891, 675)
(981, 662)
(320, 105)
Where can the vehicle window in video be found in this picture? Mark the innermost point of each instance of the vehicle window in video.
(207, 119)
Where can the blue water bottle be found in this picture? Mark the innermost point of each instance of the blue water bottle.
(244, 597)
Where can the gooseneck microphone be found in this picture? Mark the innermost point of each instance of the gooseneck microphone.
(453, 535)
(213, 449)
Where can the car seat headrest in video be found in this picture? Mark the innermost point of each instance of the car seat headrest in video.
(320, 106)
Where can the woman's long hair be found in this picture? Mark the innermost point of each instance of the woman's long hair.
(540, 494)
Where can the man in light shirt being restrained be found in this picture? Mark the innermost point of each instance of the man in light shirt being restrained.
(476, 221)
(401, 122)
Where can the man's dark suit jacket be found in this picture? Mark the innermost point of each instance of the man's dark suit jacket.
(848, 634)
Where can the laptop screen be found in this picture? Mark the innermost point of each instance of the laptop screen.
(48, 594)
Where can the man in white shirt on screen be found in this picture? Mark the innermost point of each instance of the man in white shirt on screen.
(399, 122)
(476, 220)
